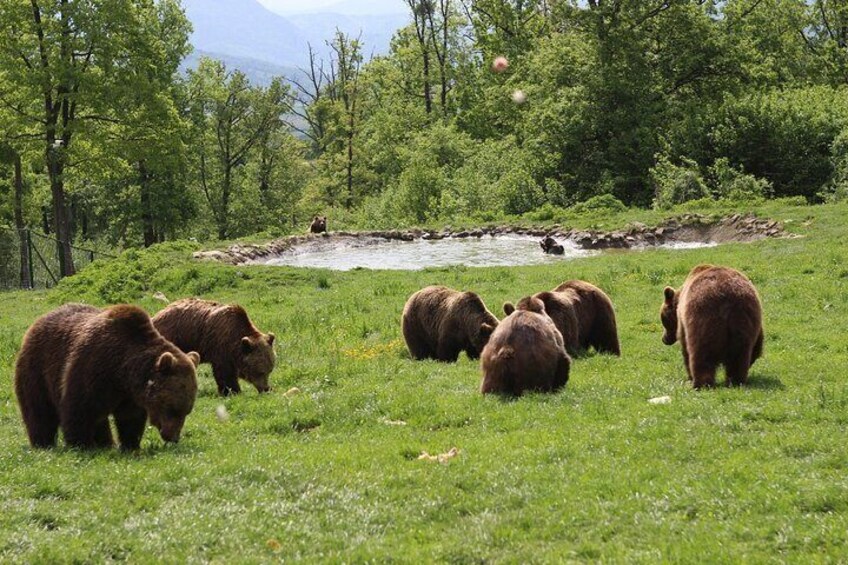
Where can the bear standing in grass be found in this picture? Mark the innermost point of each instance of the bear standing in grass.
(438, 323)
(79, 364)
(526, 352)
(584, 315)
(717, 317)
(224, 336)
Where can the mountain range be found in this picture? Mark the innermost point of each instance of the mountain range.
(262, 43)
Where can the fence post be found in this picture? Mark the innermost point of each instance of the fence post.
(29, 260)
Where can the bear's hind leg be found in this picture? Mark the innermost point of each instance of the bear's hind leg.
(736, 366)
(703, 372)
(103, 434)
(39, 415)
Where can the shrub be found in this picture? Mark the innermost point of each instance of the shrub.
(675, 184)
(837, 189)
(734, 184)
(606, 203)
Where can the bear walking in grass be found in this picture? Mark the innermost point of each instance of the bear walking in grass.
(438, 323)
(717, 317)
(526, 352)
(224, 336)
(318, 225)
(584, 315)
(79, 364)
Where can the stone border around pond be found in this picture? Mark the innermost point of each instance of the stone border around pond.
(687, 228)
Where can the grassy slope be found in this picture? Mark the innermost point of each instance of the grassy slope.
(594, 472)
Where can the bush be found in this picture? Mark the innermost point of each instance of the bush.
(605, 203)
(785, 136)
(837, 189)
(675, 184)
(733, 184)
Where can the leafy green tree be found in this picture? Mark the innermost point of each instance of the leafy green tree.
(230, 119)
(73, 66)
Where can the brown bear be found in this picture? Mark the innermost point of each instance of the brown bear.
(584, 315)
(526, 352)
(717, 317)
(550, 246)
(318, 225)
(79, 364)
(438, 323)
(224, 336)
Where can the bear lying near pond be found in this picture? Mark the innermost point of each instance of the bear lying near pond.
(438, 323)
(318, 225)
(584, 315)
(79, 364)
(224, 336)
(550, 246)
(526, 352)
(717, 317)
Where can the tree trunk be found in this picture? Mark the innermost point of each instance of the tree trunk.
(221, 216)
(19, 224)
(146, 212)
(61, 221)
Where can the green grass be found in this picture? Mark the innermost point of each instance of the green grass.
(593, 473)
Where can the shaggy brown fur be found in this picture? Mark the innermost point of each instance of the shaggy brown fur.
(318, 225)
(526, 353)
(225, 337)
(584, 315)
(718, 319)
(79, 364)
(438, 323)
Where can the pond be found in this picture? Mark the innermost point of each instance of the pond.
(344, 254)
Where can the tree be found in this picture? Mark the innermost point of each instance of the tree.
(73, 65)
(230, 118)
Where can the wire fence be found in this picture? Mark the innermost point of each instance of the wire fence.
(30, 260)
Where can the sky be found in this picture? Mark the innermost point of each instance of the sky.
(373, 7)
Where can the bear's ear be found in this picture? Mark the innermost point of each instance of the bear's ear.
(509, 308)
(194, 356)
(271, 338)
(165, 362)
(486, 329)
(669, 294)
(246, 345)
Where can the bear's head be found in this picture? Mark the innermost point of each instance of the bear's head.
(170, 392)
(668, 315)
(480, 323)
(526, 304)
(256, 360)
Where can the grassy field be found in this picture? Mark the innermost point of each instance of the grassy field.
(593, 473)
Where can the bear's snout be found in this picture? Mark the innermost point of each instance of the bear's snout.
(170, 431)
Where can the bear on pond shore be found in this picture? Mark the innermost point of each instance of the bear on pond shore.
(79, 364)
(525, 353)
(318, 225)
(717, 317)
(438, 323)
(584, 315)
(224, 336)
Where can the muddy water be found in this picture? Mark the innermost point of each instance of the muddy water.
(375, 253)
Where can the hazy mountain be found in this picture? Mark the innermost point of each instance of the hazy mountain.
(346, 7)
(259, 72)
(258, 41)
(376, 31)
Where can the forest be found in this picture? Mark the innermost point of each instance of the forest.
(108, 142)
